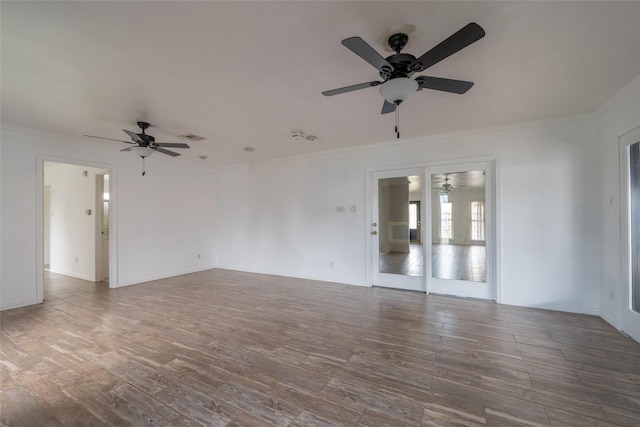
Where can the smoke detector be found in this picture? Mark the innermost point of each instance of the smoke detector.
(249, 149)
(297, 135)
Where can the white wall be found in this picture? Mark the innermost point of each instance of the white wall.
(559, 236)
(284, 220)
(73, 232)
(164, 219)
(619, 116)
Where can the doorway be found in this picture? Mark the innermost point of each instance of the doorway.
(415, 223)
(461, 241)
(102, 227)
(398, 254)
(72, 213)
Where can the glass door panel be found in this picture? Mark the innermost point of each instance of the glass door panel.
(398, 251)
(459, 215)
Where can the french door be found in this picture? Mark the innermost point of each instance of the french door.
(397, 261)
(461, 241)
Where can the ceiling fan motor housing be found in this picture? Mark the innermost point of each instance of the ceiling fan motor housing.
(398, 41)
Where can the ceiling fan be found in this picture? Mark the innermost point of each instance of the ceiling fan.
(145, 145)
(446, 187)
(395, 70)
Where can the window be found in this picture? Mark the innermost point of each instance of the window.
(477, 220)
(446, 221)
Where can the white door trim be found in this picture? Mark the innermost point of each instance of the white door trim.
(113, 246)
(630, 320)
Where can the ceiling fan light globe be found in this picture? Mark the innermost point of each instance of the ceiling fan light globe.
(398, 90)
(142, 151)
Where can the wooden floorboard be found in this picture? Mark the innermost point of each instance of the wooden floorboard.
(225, 348)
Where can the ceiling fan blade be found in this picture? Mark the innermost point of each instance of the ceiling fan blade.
(133, 135)
(171, 153)
(172, 144)
(126, 149)
(469, 34)
(350, 88)
(445, 85)
(388, 107)
(366, 52)
(109, 139)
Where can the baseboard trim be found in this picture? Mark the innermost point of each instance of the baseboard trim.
(19, 304)
(73, 275)
(152, 278)
(547, 306)
(317, 278)
(610, 321)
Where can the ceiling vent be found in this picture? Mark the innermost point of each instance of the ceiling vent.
(191, 137)
(298, 135)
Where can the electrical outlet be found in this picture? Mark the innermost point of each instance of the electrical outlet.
(331, 264)
(76, 259)
(199, 257)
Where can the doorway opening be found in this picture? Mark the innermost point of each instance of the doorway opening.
(75, 228)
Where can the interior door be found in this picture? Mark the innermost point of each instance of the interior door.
(461, 255)
(397, 262)
(630, 197)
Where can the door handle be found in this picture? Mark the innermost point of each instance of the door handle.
(374, 232)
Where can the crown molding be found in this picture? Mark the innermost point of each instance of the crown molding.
(427, 139)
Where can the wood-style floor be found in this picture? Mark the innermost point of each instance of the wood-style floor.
(457, 262)
(407, 263)
(239, 349)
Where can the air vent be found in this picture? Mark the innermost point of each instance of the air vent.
(191, 137)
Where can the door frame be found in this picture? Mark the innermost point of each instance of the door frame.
(493, 269)
(113, 246)
(630, 320)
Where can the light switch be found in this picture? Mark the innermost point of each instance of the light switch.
(340, 209)
(352, 208)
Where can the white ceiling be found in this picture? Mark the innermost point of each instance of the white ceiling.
(249, 73)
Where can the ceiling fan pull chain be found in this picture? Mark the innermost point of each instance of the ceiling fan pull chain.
(143, 168)
(398, 121)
